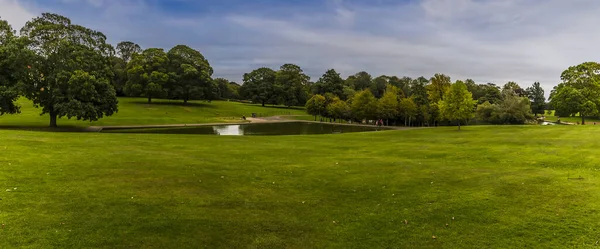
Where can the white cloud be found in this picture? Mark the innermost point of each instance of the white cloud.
(487, 40)
(15, 12)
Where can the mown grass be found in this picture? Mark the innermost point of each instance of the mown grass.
(136, 111)
(550, 116)
(482, 187)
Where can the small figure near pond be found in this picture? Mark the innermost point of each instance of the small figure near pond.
(244, 117)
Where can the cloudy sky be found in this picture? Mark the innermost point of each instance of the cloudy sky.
(486, 40)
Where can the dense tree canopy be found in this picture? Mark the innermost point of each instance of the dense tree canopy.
(70, 69)
(12, 68)
(147, 74)
(579, 93)
(458, 103)
(126, 50)
(290, 82)
(259, 85)
(189, 74)
(330, 82)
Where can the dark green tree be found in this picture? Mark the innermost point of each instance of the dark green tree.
(364, 105)
(440, 84)
(147, 74)
(70, 69)
(360, 81)
(379, 85)
(537, 98)
(290, 82)
(259, 86)
(316, 105)
(189, 75)
(13, 67)
(579, 92)
(330, 82)
(126, 50)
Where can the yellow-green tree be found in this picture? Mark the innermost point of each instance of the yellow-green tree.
(458, 103)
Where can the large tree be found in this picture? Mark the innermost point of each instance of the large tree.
(360, 81)
(579, 92)
(537, 98)
(418, 90)
(408, 109)
(147, 74)
(379, 85)
(364, 105)
(440, 84)
(388, 104)
(126, 50)
(259, 85)
(330, 82)
(338, 109)
(290, 82)
(512, 86)
(189, 74)
(70, 69)
(13, 64)
(316, 105)
(458, 103)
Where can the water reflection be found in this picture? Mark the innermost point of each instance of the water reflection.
(285, 128)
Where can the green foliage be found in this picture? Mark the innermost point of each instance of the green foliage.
(12, 68)
(364, 105)
(259, 86)
(119, 67)
(147, 74)
(70, 69)
(189, 75)
(126, 50)
(338, 109)
(513, 87)
(227, 89)
(440, 84)
(537, 98)
(379, 85)
(491, 93)
(330, 82)
(316, 105)
(360, 81)
(290, 82)
(579, 92)
(388, 105)
(408, 109)
(457, 104)
(513, 109)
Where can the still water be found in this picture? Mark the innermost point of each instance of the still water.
(288, 128)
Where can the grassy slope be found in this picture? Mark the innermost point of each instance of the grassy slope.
(136, 111)
(505, 187)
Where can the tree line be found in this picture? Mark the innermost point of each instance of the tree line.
(68, 70)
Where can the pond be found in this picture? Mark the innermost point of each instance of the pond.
(283, 128)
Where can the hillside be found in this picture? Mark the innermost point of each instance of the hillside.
(136, 111)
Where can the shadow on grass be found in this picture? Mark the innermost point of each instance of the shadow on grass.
(278, 107)
(174, 103)
(65, 128)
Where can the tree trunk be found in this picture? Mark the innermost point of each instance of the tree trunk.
(315, 117)
(263, 103)
(387, 122)
(185, 101)
(149, 99)
(53, 119)
(582, 119)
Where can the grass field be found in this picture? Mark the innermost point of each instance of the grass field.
(136, 111)
(552, 118)
(482, 187)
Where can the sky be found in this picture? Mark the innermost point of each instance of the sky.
(486, 40)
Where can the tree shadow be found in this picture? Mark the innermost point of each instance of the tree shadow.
(65, 128)
(277, 107)
(173, 103)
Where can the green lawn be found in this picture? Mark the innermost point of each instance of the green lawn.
(482, 187)
(136, 111)
(550, 117)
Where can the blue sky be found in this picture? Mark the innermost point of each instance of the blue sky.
(486, 40)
